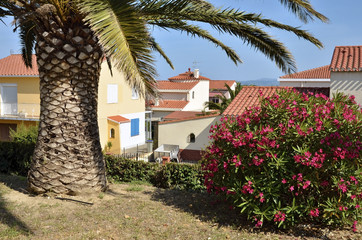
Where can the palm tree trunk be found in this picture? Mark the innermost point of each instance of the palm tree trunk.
(68, 157)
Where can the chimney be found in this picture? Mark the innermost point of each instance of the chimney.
(157, 102)
(196, 73)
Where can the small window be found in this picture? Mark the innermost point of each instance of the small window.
(215, 100)
(112, 133)
(135, 94)
(193, 95)
(112, 93)
(135, 127)
(191, 138)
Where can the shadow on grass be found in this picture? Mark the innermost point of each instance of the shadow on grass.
(15, 225)
(209, 208)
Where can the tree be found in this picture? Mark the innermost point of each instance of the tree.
(223, 100)
(71, 38)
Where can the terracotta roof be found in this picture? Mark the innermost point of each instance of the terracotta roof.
(187, 76)
(13, 65)
(118, 119)
(347, 59)
(167, 85)
(172, 104)
(220, 84)
(249, 97)
(315, 73)
(212, 114)
(181, 114)
(188, 155)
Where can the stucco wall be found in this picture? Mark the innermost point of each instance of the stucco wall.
(124, 105)
(28, 93)
(127, 141)
(292, 83)
(201, 96)
(349, 83)
(177, 133)
(174, 96)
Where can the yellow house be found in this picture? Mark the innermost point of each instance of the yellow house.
(121, 111)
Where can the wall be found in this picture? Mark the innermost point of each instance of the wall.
(116, 141)
(174, 96)
(315, 83)
(28, 94)
(177, 132)
(125, 102)
(201, 96)
(125, 130)
(347, 82)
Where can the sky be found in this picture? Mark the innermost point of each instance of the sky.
(344, 28)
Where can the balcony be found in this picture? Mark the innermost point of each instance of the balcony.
(20, 111)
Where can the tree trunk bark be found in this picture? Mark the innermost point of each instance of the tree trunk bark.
(68, 157)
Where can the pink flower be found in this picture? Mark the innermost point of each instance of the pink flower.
(279, 217)
(258, 224)
(306, 184)
(284, 181)
(291, 188)
(314, 213)
(354, 226)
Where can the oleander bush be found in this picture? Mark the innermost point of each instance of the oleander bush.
(295, 159)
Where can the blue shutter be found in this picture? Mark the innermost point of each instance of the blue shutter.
(135, 127)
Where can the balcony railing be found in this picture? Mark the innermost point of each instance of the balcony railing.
(20, 110)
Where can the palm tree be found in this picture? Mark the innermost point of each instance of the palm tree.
(223, 100)
(71, 39)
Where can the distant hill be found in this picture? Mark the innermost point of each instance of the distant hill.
(262, 82)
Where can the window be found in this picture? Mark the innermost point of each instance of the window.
(112, 133)
(112, 93)
(191, 138)
(193, 94)
(135, 127)
(135, 94)
(215, 100)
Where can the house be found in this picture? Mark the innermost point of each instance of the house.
(188, 130)
(316, 77)
(187, 91)
(346, 71)
(121, 111)
(249, 97)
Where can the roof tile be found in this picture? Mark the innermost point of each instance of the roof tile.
(118, 119)
(195, 117)
(347, 59)
(249, 97)
(167, 85)
(187, 76)
(315, 73)
(13, 65)
(172, 104)
(220, 84)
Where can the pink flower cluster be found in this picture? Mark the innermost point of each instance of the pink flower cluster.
(279, 217)
(247, 188)
(314, 212)
(307, 159)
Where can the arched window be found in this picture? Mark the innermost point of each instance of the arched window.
(112, 133)
(191, 138)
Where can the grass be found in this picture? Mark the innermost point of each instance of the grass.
(133, 211)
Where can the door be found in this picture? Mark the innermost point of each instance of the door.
(9, 100)
(5, 131)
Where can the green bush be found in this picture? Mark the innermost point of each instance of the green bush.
(15, 156)
(179, 176)
(171, 175)
(295, 159)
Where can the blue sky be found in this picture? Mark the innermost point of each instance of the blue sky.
(343, 29)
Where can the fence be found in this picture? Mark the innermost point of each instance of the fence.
(138, 156)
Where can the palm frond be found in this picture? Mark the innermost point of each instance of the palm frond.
(27, 40)
(156, 47)
(303, 10)
(195, 31)
(125, 39)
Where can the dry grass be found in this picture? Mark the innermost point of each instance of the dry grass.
(131, 211)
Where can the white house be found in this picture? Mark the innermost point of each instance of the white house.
(346, 71)
(316, 77)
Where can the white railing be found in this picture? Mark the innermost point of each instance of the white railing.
(23, 110)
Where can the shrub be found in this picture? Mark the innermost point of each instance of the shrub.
(15, 156)
(294, 159)
(179, 176)
(171, 175)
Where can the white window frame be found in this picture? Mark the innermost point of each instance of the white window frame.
(112, 93)
(2, 85)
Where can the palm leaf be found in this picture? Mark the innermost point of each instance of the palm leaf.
(124, 38)
(303, 10)
(157, 48)
(27, 40)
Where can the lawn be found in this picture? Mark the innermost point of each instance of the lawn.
(133, 211)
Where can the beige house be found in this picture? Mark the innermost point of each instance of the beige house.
(121, 111)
